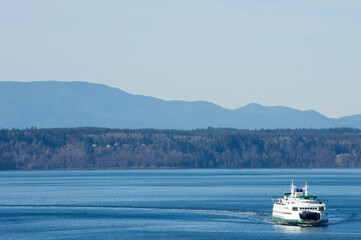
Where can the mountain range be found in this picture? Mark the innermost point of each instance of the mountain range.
(53, 104)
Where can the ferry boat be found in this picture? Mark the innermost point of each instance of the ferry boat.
(299, 208)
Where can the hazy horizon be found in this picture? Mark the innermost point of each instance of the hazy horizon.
(303, 55)
(190, 100)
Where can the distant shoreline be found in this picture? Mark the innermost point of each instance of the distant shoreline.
(137, 149)
(175, 169)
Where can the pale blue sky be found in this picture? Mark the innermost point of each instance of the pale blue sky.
(300, 54)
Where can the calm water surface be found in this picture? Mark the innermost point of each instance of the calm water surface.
(171, 204)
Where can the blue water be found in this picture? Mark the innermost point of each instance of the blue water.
(171, 204)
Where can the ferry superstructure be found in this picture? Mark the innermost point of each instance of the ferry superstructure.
(299, 208)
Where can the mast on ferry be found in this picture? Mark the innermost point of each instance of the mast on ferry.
(292, 189)
(305, 188)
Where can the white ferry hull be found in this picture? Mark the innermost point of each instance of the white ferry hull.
(300, 222)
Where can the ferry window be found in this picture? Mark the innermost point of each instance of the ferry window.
(295, 209)
(322, 209)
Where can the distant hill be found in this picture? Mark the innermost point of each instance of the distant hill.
(104, 148)
(74, 104)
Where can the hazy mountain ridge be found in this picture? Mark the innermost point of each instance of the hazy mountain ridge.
(74, 104)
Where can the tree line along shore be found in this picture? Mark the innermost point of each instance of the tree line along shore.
(103, 148)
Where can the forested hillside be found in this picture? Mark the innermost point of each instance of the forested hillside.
(100, 148)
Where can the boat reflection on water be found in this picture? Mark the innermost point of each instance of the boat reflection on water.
(297, 229)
